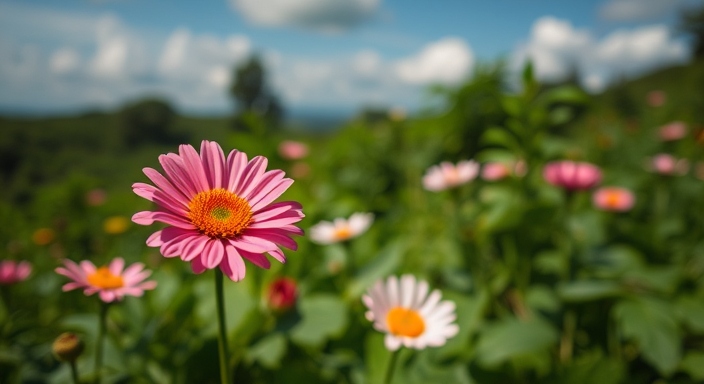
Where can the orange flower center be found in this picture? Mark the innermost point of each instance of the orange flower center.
(613, 199)
(103, 278)
(405, 322)
(219, 213)
(343, 232)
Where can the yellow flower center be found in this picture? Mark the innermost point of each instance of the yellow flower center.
(343, 233)
(405, 322)
(613, 199)
(103, 278)
(219, 213)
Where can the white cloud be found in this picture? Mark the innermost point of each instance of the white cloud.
(322, 15)
(636, 10)
(446, 61)
(64, 60)
(556, 49)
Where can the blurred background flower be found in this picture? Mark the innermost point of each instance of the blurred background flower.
(341, 229)
(12, 272)
(613, 199)
(447, 175)
(572, 176)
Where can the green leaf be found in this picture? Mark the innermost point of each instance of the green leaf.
(499, 137)
(510, 338)
(323, 316)
(691, 312)
(542, 298)
(385, 262)
(652, 325)
(567, 94)
(693, 364)
(588, 290)
(470, 313)
(592, 367)
(551, 262)
(661, 279)
(268, 351)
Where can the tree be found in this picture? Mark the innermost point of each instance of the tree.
(253, 97)
(149, 120)
(692, 23)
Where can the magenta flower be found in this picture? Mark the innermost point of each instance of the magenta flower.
(572, 176)
(219, 210)
(614, 199)
(12, 272)
(112, 283)
(282, 294)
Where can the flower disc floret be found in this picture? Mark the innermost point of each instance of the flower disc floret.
(104, 279)
(219, 213)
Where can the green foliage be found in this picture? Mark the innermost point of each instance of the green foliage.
(547, 288)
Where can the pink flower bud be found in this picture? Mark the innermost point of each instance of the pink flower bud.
(656, 98)
(293, 150)
(282, 294)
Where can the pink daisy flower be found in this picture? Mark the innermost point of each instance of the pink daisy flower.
(615, 199)
(572, 175)
(447, 175)
(219, 209)
(111, 282)
(12, 272)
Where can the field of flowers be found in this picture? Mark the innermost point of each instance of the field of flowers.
(502, 237)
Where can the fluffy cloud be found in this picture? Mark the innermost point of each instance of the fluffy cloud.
(446, 61)
(322, 15)
(635, 10)
(557, 49)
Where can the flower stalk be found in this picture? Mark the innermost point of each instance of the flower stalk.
(224, 353)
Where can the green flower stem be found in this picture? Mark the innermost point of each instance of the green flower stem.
(568, 329)
(222, 331)
(390, 368)
(74, 372)
(102, 325)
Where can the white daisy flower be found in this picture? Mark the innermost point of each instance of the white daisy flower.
(447, 175)
(408, 315)
(341, 229)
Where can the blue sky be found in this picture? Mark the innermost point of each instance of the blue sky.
(334, 55)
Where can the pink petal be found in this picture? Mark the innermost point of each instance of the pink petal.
(213, 254)
(165, 185)
(233, 265)
(213, 160)
(176, 172)
(116, 266)
(275, 209)
(160, 198)
(236, 163)
(154, 240)
(197, 266)
(272, 194)
(149, 217)
(273, 235)
(254, 171)
(107, 296)
(194, 247)
(194, 167)
(263, 185)
(257, 259)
